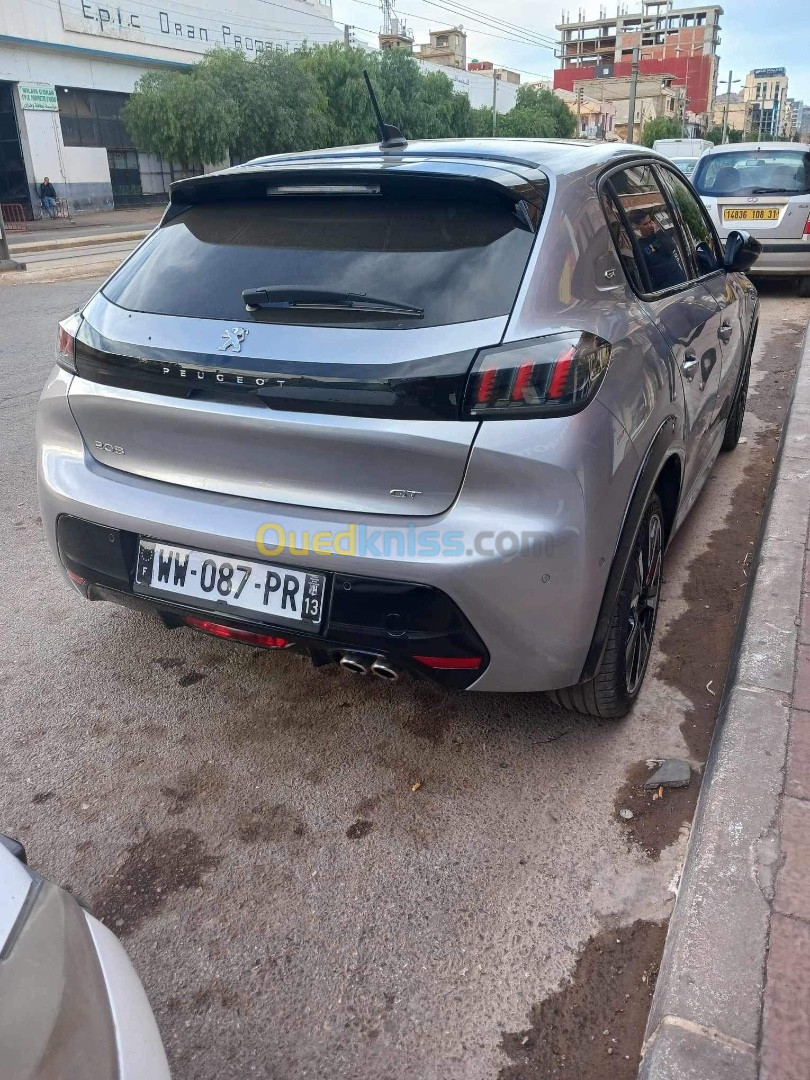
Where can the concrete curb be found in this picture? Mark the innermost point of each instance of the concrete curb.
(78, 241)
(706, 1017)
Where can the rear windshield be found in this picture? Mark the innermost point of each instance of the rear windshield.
(754, 172)
(456, 260)
(685, 164)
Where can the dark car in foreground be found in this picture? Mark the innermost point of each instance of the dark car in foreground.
(435, 409)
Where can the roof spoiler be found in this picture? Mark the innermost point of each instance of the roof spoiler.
(356, 176)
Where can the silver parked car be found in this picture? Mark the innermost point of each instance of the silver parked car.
(436, 409)
(764, 188)
(71, 1004)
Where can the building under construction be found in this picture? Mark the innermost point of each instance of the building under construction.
(678, 42)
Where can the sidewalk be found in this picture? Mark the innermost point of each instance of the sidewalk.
(107, 221)
(732, 1000)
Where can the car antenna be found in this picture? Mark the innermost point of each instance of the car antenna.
(391, 138)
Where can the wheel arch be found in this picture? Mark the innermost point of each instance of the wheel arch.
(661, 471)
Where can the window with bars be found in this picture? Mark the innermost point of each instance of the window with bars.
(92, 118)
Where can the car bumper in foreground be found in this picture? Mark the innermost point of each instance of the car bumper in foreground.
(72, 1005)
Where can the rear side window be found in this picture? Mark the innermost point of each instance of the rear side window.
(624, 244)
(656, 241)
(753, 172)
(456, 260)
(697, 232)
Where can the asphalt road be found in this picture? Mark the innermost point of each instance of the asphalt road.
(249, 824)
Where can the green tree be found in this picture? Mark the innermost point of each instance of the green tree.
(481, 121)
(715, 135)
(338, 72)
(180, 117)
(422, 106)
(537, 114)
(225, 105)
(229, 105)
(754, 135)
(660, 127)
(277, 105)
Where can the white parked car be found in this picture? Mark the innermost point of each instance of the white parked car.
(71, 1005)
(763, 188)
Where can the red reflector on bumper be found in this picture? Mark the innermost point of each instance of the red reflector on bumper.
(267, 641)
(77, 579)
(450, 663)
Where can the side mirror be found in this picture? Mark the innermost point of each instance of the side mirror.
(742, 251)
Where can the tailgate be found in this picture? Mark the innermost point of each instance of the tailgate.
(369, 437)
(338, 382)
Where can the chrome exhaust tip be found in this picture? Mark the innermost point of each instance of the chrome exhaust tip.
(383, 670)
(355, 663)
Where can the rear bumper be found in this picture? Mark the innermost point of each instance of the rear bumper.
(516, 559)
(398, 620)
(782, 260)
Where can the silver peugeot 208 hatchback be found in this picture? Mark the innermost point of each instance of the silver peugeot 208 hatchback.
(437, 409)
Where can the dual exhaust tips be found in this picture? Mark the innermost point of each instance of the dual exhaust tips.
(360, 664)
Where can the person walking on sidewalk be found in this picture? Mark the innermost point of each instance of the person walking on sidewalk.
(47, 195)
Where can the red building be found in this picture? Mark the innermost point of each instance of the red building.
(681, 42)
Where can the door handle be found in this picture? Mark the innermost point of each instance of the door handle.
(690, 366)
(725, 331)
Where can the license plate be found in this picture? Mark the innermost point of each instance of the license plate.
(758, 213)
(222, 583)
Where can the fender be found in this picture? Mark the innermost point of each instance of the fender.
(659, 450)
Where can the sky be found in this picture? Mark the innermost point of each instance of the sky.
(754, 33)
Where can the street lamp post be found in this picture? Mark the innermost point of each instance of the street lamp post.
(631, 104)
(727, 110)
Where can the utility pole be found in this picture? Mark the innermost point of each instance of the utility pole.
(347, 38)
(494, 103)
(631, 104)
(724, 136)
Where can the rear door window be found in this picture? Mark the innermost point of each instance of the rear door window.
(624, 245)
(753, 172)
(699, 236)
(458, 260)
(657, 243)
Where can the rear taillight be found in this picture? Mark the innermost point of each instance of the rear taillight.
(233, 633)
(450, 663)
(66, 342)
(548, 376)
(807, 226)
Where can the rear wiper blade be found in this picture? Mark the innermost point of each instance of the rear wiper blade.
(774, 191)
(322, 299)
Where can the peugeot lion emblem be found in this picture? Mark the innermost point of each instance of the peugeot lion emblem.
(232, 338)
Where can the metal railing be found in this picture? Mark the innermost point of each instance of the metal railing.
(14, 217)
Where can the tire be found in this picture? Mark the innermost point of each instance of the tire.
(804, 286)
(614, 688)
(734, 424)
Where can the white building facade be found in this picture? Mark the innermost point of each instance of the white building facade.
(67, 66)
